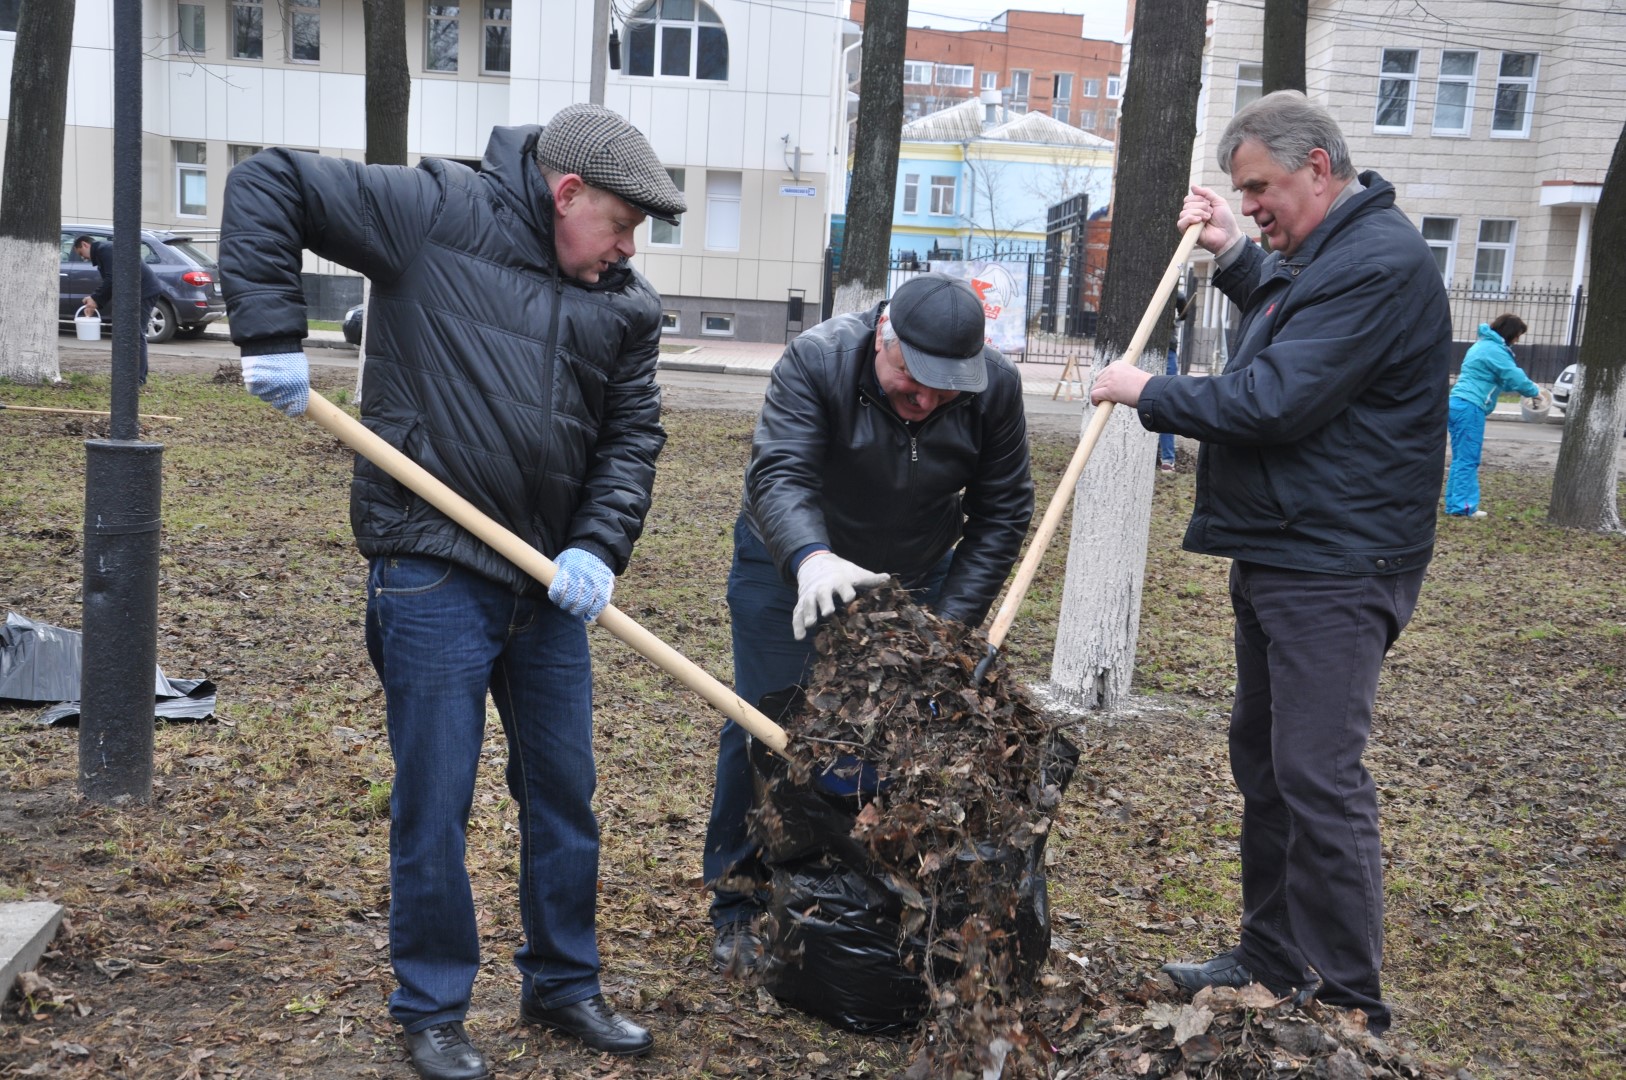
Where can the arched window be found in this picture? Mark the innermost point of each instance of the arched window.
(683, 38)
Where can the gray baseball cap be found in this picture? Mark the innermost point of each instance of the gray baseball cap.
(610, 154)
(942, 328)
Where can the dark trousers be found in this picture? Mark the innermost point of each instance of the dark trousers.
(147, 304)
(1309, 648)
(767, 657)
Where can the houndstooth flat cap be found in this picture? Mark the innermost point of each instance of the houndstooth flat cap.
(612, 155)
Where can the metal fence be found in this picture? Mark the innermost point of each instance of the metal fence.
(1060, 325)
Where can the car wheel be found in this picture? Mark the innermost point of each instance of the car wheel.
(189, 332)
(162, 326)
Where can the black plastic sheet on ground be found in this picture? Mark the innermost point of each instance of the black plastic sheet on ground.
(40, 663)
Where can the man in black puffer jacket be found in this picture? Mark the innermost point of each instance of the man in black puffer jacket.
(511, 352)
(1323, 445)
(893, 439)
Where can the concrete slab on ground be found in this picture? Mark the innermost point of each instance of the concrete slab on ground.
(26, 929)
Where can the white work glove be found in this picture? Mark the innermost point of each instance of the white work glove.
(582, 584)
(819, 580)
(279, 379)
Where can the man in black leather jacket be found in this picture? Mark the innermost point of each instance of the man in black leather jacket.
(891, 442)
(1323, 447)
(512, 354)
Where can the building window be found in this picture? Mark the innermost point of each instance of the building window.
(1441, 235)
(679, 38)
(1020, 81)
(1250, 85)
(1086, 119)
(191, 179)
(1454, 93)
(1061, 88)
(189, 27)
(1109, 119)
(659, 231)
(1515, 96)
(1059, 111)
(440, 37)
(990, 80)
(723, 212)
(9, 9)
(1115, 86)
(670, 322)
(942, 195)
(499, 37)
(1092, 88)
(248, 30)
(305, 31)
(716, 323)
(240, 154)
(1493, 257)
(911, 193)
(917, 73)
(954, 75)
(1397, 91)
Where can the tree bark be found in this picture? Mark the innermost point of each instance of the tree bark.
(389, 84)
(1100, 616)
(1283, 61)
(31, 192)
(866, 246)
(388, 97)
(1585, 483)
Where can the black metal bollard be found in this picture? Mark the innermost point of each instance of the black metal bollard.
(123, 481)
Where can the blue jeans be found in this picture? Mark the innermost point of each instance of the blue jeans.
(440, 638)
(1165, 441)
(767, 657)
(1309, 648)
(1466, 424)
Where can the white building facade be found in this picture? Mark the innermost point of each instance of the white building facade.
(735, 96)
(1494, 122)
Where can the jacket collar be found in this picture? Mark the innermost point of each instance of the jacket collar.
(1379, 195)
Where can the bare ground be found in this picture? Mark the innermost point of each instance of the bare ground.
(234, 927)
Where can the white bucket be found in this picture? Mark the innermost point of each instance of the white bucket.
(88, 327)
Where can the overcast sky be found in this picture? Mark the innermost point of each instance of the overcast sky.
(1102, 18)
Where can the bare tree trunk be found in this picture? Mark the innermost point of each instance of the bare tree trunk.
(1283, 66)
(1588, 473)
(1106, 563)
(389, 84)
(866, 251)
(31, 192)
(389, 95)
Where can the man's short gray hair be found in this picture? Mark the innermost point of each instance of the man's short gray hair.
(1288, 125)
(887, 332)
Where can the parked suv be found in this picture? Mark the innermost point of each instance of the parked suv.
(188, 276)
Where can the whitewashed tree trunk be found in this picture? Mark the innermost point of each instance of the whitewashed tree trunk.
(1106, 564)
(28, 310)
(855, 296)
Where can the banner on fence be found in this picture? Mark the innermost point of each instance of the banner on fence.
(1003, 289)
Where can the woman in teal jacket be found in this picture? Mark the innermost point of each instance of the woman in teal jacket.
(1487, 371)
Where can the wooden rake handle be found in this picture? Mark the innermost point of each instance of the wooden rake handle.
(352, 433)
(1075, 468)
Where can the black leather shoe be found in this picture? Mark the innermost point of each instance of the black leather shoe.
(443, 1052)
(738, 949)
(1227, 970)
(594, 1023)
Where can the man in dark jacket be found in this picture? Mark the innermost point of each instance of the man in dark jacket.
(511, 352)
(100, 252)
(1323, 444)
(890, 442)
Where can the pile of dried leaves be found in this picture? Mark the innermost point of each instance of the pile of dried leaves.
(956, 788)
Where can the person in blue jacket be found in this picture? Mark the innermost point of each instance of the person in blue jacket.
(1487, 371)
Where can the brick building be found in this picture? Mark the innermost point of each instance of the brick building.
(1043, 60)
